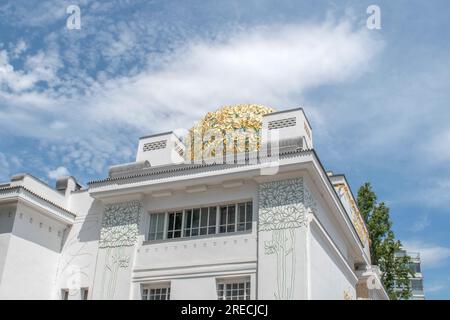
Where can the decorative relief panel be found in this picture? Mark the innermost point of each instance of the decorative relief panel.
(356, 217)
(119, 232)
(283, 208)
(120, 225)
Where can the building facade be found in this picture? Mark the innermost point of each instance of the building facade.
(416, 280)
(213, 219)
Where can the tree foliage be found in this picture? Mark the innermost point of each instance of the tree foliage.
(383, 245)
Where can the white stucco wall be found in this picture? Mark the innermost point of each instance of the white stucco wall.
(33, 252)
(7, 214)
(329, 278)
(328, 218)
(77, 262)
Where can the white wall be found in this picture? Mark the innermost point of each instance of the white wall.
(7, 214)
(76, 265)
(329, 279)
(34, 247)
(328, 218)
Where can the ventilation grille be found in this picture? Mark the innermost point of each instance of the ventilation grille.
(282, 123)
(155, 145)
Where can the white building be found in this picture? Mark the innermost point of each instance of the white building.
(268, 224)
(416, 278)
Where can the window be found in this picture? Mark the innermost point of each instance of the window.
(237, 289)
(236, 217)
(245, 216)
(84, 293)
(199, 221)
(174, 228)
(195, 222)
(157, 226)
(415, 267)
(161, 292)
(64, 294)
(416, 285)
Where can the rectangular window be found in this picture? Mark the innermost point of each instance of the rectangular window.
(245, 215)
(415, 267)
(156, 293)
(174, 227)
(156, 226)
(64, 294)
(416, 285)
(84, 293)
(194, 222)
(237, 289)
(212, 220)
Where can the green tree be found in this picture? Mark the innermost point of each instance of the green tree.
(383, 245)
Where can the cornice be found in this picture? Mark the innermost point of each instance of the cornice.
(23, 193)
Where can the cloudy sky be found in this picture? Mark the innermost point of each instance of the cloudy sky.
(76, 101)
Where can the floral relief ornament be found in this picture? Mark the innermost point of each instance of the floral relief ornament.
(284, 206)
(120, 224)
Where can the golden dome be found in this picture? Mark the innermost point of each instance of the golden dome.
(224, 127)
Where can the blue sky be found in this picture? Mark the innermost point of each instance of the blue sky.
(76, 101)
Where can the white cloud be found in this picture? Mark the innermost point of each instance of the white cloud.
(19, 48)
(437, 193)
(8, 165)
(272, 65)
(58, 173)
(438, 146)
(431, 255)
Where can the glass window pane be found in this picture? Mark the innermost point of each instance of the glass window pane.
(160, 227)
(236, 290)
(204, 217)
(171, 221)
(241, 212)
(188, 218)
(196, 218)
(249, 211)
(223, 215)
(212, 216)
(153, 223)
(156, 226)
(178, 220)
(231, 214)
